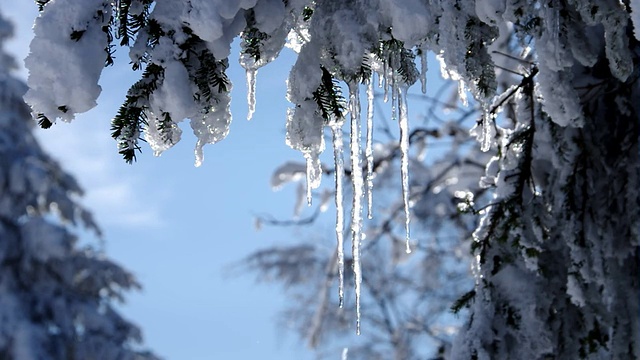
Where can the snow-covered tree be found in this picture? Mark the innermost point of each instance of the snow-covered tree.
(56, 298)
(557, 248)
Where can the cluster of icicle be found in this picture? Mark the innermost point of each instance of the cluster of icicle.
(362, 162)
(68, 54)
(70, 44)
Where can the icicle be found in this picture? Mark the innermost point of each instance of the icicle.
(251, 91)
(385, 82)
(199, 154)
(336, 131)
(394, 99)
(423, 69)
(314, 173)
(485, 143)
(404, 161)
(369, 148)
(462, 93)
(358, 194)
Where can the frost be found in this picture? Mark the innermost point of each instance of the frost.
(559, 99)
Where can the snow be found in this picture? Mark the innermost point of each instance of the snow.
(269, 15)
(213, 126)
(174, 95)
(410, 20)
(46, 241)
(559, 99)
(204, 17)
(304, 124)
(63, 72)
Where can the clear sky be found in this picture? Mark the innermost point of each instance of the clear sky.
(177, 227)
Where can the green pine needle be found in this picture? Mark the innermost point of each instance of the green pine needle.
(329, 97)
(463, 301)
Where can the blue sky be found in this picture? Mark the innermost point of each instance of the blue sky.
(177, 227)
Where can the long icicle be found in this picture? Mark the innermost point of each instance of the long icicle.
(251, 91)
(394, 96)
(404, 160)
(384, 82)
(314, 173)
(423, 69)
(338, 146)
(369, 148)
(358, 194)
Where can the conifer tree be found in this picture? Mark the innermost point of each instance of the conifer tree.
(57, 298)
(557, 247)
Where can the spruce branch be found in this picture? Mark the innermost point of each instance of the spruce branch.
(110, 48)
(463, 301)
(205, 71)
(44, 121)
(165, 127)
(127, 125)
(41, 4)
(152, 30)
(210, 78)
(252, 38)
(129, 25)
(400, 60)
(307, 13)
(476, 58)
(329, 97)
(76, 35)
